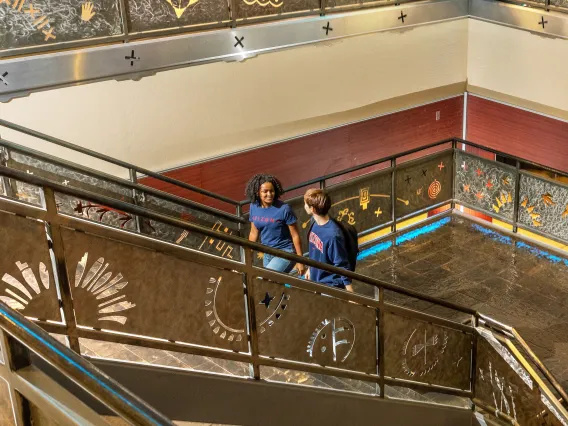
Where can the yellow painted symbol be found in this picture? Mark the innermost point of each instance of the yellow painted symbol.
(466, 188)
(31, 11)
(525, 201)
(565, 213)
(346, 213)
(509, 198)
(536, 223)
(530, 209)
(506, 181)
(364, 197)
(48, 34)
(275, 3)
(499, 203)
(180, 6)
(87, 11)
(15, 6)
(379, 212)
(496, 208)
(405, 202)
(503, 199)
(547, 199)
(419, 191)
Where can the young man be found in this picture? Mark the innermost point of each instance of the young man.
(326, 241)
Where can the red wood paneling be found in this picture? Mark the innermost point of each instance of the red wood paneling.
(322, 153)
(517, 132)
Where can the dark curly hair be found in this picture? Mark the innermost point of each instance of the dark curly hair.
(254, 184)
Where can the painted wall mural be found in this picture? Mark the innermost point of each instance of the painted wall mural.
(25, 23)
(423, 183)
(27, 281)
(298, 325)
(486, 185)
(146, 15)
(252, 8)
(132, 289)
(544, 205)
(427, 353)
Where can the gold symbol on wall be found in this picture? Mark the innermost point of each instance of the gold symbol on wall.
(434, 189)
(565, 213)
(39, 23)
(535, 217)
(379, 212)
(275, 3)
(405, 202)
(346, 213)
(180, 6)
(221, 245)
(547, 199)
(364, 197)
(213, 316)
(87, 11)
(502, 200)
(419, 191)
(466, 188)
(506, 180)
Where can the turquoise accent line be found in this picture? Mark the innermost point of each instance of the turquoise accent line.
(541, 253)
(374, 250)
(421, 231)
(493, 234)
(70, 361)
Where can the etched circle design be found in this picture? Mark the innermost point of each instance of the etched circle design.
(434, 189)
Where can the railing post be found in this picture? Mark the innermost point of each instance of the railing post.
(61, 270)
(473, 370)
(454, 145)
(251, 313)
(322, 184)
(517, 197)
(6, 183)
(134, 179)
(381, 342)
(393, 195)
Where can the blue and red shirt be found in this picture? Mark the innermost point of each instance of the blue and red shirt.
(273, 222)
(327, 245)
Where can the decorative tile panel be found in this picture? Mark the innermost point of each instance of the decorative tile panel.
(252, 8)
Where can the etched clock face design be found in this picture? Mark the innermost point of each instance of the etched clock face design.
(422, 351)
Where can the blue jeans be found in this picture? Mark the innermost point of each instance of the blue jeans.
(277, 263)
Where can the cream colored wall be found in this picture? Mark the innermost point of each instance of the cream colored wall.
(519, 67)
(185, 115)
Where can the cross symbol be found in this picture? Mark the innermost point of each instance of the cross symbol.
(379, 212)
(542, 22)
(441, 165)
(132, 58)
(3, 78)
(424, 172)
(408, 179)
(48, 34)
(239, 41)
(327, 29)
(402, 16)
(31, 11)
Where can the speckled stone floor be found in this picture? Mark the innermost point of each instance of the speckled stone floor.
(508, 279)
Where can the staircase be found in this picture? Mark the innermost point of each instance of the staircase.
(93, 256)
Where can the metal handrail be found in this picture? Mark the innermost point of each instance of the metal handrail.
(114, 161)
(120, 181)
(149, 214)
(80, 371)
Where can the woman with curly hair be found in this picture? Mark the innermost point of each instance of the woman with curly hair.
(274, 221)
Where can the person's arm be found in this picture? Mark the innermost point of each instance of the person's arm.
(253, 234)
(297, 246)
(338, 256)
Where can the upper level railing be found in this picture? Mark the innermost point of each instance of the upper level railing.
(26, 392)
(236, 311)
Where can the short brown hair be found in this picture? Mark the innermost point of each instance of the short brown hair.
(318, 200)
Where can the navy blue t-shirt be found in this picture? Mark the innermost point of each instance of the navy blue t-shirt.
(327, 245)
(272, 222)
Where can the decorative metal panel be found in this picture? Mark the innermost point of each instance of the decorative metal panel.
(6, 409)
(423, 183)
(486, 184)
(425, 352)
(66, 176)
(252, 8)
(127, 288)
(27, 282)
(303, 326)
(31, 23)
(544, 205)
(339, 3)
(191, 239)
(70, 205)
(502, 383)
(146, 15)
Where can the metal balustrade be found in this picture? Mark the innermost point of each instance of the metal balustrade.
(96, 252)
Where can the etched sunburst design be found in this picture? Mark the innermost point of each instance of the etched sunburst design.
(100, 284)
(21, 298)
(212, 315)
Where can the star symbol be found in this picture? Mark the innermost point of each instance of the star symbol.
(479, 172)
(378, 212)
(466, 188)
(479, 195)
(441, 165)
(266, 301)
(489, 184)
